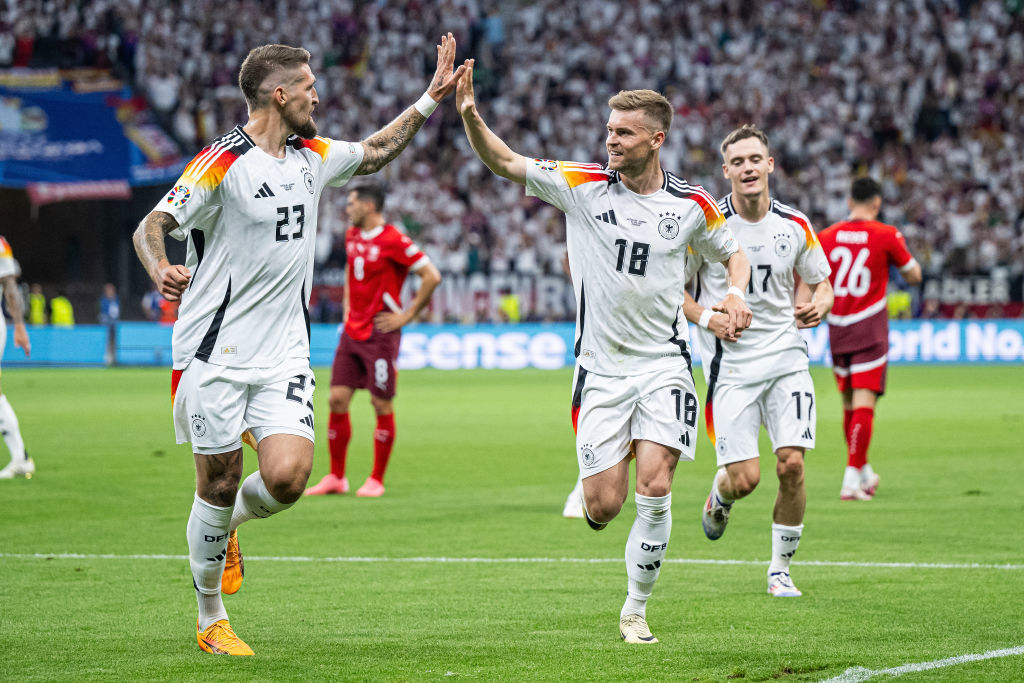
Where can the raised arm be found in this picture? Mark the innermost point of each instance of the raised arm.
(13, 298)
(491, 149)
(171, 280)
(387, 143)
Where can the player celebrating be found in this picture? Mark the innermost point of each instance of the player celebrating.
(628, 226)
(378, 259)
(761, 376)
(861, 250)
(247, 205)
(20, 465)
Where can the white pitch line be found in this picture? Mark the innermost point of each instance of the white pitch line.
(858, 674)
(515, 560)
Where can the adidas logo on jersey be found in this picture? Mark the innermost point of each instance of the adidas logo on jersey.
(607, 217)
(807, 434)
(264, 191)
(308, 421)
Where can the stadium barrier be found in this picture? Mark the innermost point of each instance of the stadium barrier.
(506, 347)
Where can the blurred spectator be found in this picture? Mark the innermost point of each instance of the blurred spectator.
(151, 304)
(37, 311)
(62, 314)
(110, 305)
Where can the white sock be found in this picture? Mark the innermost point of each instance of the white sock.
(645, 549)
(207, 534)
(714, 486)
(866, 472)
(785, 540)
(10, 430)
(851, 478)
(254, 500)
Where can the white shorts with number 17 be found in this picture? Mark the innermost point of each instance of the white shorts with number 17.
(609, 413)
(784, 405)
(214, 404)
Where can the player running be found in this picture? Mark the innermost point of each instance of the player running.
(378, 259)
(247, 205)
(761, 376)
(861, 250)
(628, 225)
(20, 465)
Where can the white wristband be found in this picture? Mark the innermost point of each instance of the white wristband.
(705, 318)
(426, 105)
(735, 290)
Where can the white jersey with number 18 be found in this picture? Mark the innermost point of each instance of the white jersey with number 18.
(250, 222)
(627, 257)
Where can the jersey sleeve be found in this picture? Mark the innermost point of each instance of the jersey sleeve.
(8, 264)
(559, 182)
(811, 263)
(405, 252)
(715, 242)
(899, 255)
(196, 194)
(340, 159)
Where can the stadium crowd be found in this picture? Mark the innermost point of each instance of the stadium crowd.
(926, 95)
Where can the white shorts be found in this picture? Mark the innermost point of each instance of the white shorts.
(611, 412)
(784, 405)
(214, 404)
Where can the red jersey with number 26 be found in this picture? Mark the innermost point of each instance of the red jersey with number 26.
(378, 261)
(860, 253)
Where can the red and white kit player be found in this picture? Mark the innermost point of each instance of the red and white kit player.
(860, 250)
(379, 257)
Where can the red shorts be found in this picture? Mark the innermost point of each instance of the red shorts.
(368, 364)
(862, 369)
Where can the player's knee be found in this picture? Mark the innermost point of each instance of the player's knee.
(654, 487)
(338, 405)
(288, 489)
(604, 508)
(743, 483)
(382, 406)
(790, 468)
(222, 490)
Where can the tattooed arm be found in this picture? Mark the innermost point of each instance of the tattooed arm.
(387, 143)
(149, 245)
(13, 298)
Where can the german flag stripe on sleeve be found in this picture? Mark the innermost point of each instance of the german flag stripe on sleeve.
(208, 168)
(5, 249)
(318, 144)
(577, 174)
(680, 188)
(799, 219)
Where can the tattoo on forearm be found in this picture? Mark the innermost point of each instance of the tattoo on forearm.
(13, 297)
(149, 238)
(388, 143)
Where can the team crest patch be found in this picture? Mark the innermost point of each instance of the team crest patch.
(179, 195)
(668, 226)
(588, 455)
(198, 425)
(546, 164)
(307, 178)
(720, 445)
(783, 245)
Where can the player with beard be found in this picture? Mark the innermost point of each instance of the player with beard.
(247, 206)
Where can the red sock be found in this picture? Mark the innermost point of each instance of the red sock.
(860, 436)
(383, 440)
(339, 431)
(847, 417)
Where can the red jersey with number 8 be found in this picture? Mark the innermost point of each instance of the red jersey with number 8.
(378, 261)
(860, 253)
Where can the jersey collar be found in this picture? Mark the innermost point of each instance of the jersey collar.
(371, 233)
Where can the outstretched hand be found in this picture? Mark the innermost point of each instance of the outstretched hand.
(464, 100)
(443, 83)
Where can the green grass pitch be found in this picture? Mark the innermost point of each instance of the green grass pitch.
(481, 467)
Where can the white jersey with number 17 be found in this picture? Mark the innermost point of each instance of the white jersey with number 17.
(250, 222)
(627, 257)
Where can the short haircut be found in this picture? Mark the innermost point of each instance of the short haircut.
(864, 189)
(371, 193)
(747, 130)
(654, 105)
(263, 61)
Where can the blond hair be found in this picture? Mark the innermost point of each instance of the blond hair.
(747, 130)
(653, 104)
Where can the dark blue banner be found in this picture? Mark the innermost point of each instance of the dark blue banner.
(54, 130)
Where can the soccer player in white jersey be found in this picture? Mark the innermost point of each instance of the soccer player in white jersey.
(628, 225)
(247, 205)
(20, 465)
(760, 376)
